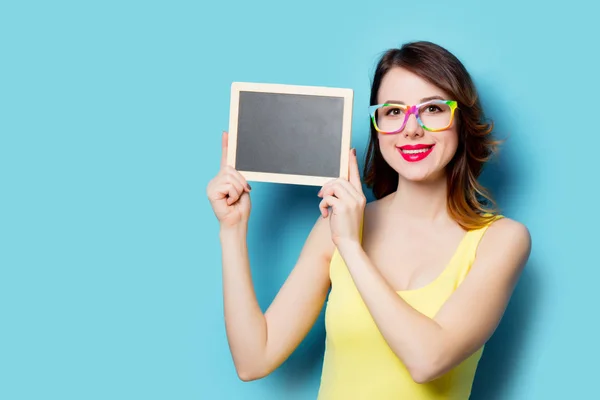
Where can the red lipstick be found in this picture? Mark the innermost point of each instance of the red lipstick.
(417, 152)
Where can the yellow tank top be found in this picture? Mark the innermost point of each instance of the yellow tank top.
(358, 363)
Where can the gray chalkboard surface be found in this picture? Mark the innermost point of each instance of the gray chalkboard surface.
(288, 133)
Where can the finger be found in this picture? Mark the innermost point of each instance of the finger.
(224, 190)
(325, 186)
(233, 194)
(235, 174)
(353, 173)
(343, 190)
(338, 190)
(245, 198)
(233, 180)
(224, 146)
(227, 186)
(328, 201)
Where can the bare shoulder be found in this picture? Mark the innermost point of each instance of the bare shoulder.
(506, 239)
(508, 232)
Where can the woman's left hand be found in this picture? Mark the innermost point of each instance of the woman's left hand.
(347, 202)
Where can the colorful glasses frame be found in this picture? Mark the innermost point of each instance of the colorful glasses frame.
(413, 110)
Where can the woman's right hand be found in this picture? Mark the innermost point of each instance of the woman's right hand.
(229, 193)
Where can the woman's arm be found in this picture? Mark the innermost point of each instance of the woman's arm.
(260, 343)
(431, 347)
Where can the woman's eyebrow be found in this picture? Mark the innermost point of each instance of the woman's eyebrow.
(423, 100)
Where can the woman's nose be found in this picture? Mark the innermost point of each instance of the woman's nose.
(412, 128)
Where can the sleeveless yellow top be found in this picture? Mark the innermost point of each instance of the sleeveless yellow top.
(358, 363)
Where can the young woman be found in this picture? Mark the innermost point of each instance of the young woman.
(418, 279)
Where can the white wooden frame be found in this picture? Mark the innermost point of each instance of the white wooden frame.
(346, 94)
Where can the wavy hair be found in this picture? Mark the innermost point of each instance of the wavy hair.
(469, 203)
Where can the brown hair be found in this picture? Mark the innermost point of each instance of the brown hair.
(469, 203)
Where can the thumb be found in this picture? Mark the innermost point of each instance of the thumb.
(224, 147)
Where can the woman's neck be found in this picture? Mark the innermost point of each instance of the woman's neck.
(421, 201)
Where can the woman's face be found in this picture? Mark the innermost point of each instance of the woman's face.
(415, 153)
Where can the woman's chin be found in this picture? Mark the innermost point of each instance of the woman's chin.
(420, 175)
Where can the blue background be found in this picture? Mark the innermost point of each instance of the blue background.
(110, 125)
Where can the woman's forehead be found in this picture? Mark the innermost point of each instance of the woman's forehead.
(401, 85)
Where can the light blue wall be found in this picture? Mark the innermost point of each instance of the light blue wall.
(110, 122)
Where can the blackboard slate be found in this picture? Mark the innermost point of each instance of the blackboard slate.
(276, 131)
(288, 133)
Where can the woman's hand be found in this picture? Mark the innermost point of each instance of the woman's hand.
(229, 193)
(347, 202)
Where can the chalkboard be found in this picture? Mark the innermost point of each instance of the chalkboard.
(289, 133)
